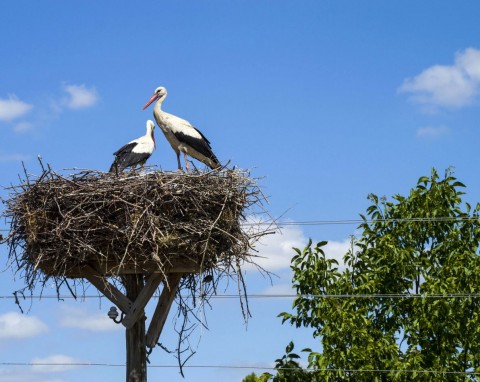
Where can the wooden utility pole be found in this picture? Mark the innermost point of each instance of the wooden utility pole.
(135, 335)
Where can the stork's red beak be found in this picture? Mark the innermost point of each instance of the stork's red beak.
(150, 101)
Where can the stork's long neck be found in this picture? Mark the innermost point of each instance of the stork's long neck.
(158, 112)
(151, 134)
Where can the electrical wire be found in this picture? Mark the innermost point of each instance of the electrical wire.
(358, 221)
(334, 370)
(353, 221)
(275, 296)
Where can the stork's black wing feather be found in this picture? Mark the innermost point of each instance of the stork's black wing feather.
(203, 136)
(200, 145)
(125, 157)
(125, 149)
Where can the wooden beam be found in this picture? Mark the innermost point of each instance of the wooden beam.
(137, 309)
(109, 290)
(163, 307)
(135, 336)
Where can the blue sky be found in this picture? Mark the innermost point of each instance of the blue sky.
(326, 101)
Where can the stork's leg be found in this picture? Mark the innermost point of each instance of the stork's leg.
(187, 165)
(180, 169)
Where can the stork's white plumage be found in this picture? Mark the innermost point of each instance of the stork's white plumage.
(181, 135)
(135, 152)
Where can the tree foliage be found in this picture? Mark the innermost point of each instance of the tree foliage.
(410, 309)
(252, 377)
(288, 368)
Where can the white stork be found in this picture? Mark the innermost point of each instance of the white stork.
(135, 152)
(183, 137)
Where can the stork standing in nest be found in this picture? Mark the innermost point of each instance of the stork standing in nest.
(135, 152)
(181, 135)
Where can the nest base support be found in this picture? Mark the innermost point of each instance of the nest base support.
(163, 307)
(137, 309)
(109, 291)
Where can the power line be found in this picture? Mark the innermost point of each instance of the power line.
(353, 221)
(334, 370)
(358, 221)
(346, 296)
(275, 296)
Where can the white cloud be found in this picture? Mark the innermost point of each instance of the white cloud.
(23, 127)
(275, 253)
(275, 250)
(54, 363)
(469, 60)
(22, 375)
(14, 325)
(280, 289)
(79, 96)
(432, 132)
(12, 108)
(450, 86)
(82, 319)
(337, 250)
(13, 157)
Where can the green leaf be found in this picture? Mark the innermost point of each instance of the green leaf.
(423, 179)
(289, 347)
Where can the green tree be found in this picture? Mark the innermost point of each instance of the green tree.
(288, 369)
(251, 378)
(410, 293)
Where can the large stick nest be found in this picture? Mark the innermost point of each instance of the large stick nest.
(62, 226)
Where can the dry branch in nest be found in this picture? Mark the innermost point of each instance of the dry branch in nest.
(63, 226)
